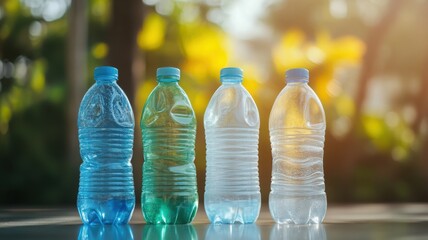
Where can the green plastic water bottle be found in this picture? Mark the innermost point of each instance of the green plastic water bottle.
(168, 124)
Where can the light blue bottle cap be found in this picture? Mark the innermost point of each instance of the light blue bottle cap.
(231, 74)
(168, 72)
(106, 72)
(297, 75)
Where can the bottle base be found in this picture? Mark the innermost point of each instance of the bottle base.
(169, 210)
(111, 211)
(298, 210)
(221, 210)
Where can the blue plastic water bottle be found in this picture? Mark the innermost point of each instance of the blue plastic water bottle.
(106, 135)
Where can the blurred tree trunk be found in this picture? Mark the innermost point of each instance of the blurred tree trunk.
(126, 21)
(352, 144)
(421, 105)
(421, 100)
(374, 42)
(76, 72)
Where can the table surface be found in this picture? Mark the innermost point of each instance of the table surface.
(368, 221)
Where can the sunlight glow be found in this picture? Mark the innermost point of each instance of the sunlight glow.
(49, 10)
(151, 36)
(338, 8)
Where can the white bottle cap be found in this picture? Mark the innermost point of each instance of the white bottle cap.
(297, 75)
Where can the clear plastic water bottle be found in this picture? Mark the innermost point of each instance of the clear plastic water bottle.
(168, 125)
(231, 120)
(297, 128)
(106, 135)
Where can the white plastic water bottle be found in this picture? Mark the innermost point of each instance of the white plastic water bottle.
(231, 120)
(297, 128)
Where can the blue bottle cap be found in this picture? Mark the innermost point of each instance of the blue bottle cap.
(231, 72)
(168, 71)
(106, 72)
(297, 75)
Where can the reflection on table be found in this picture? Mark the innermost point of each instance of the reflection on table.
(164, 232)
(368, 221)
(301, 232)
(232, 231)
(105, 232)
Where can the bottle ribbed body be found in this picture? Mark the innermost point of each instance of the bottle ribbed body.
(232, 192)
(106, 189)
(168, 124)
(169, 175)
(106, 134)
(297, 188)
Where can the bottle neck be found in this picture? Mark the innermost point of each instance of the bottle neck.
(105, 79)
(231, 80)
(174, 83)
(168, 79)
(296, 83)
